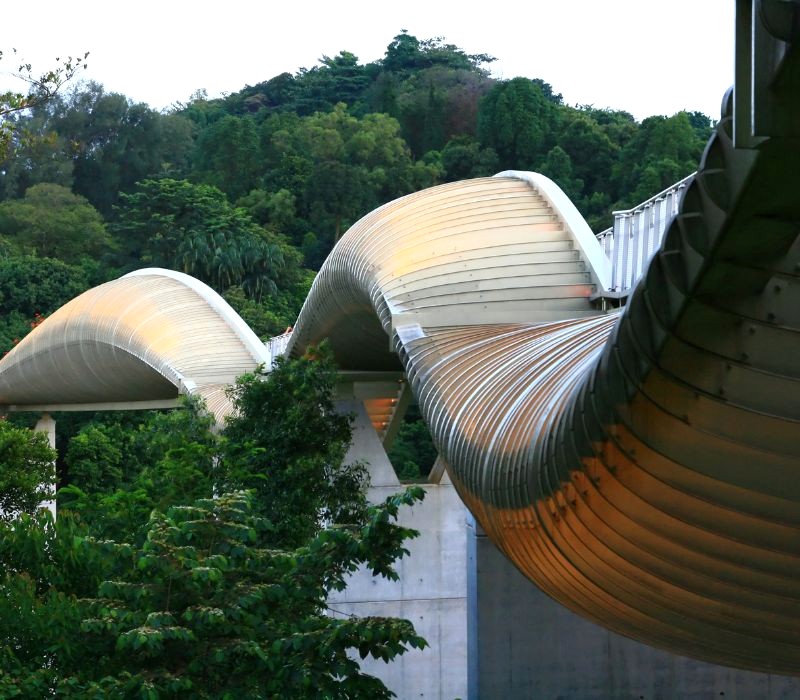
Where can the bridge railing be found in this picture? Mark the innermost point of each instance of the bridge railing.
(637, 234)
(276, 346)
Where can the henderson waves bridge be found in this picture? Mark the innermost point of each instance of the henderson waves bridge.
(640, 464)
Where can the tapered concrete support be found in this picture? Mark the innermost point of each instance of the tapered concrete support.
(431, 591)
(46, 424)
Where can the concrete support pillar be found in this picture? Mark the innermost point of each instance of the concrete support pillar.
(367, 447)
(46, 424)
(431, 591)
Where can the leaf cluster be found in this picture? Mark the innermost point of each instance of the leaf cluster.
(41, 88)
(27, 476)
(193, 228)
(173, 593)
(293, 462)
(202, 611)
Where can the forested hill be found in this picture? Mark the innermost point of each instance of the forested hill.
(250, 192)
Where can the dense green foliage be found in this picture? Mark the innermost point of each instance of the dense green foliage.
(115, 473)
(174, 594)
(30, 289)
(201, 610)
(52, 222)
(194, 229)
(198, 610)
(293, 460)
(412, 453)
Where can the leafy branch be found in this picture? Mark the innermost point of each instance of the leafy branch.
(41, 88)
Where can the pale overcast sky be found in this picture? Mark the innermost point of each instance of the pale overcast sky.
(641, 56)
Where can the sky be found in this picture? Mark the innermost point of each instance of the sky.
(640, 56)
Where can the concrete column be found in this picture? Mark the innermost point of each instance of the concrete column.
(367, 447)
(431, 592)
(47, 425)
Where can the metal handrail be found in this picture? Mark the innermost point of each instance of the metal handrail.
(637, 234)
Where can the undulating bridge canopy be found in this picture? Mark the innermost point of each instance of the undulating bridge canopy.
(147, 336)
(641, 466)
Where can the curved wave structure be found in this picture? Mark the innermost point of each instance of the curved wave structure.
(643, 468)
(147, 336)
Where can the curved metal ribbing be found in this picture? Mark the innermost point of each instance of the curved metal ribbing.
(642, 468)
(689, 428)
(694, 407)
(489, 250)
(148, 335)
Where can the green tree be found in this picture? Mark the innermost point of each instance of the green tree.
(519, 119)
(39, 155)
(227, 155)
(47, 571)
(27, 474)
(193, 228)
(94, 458)
(40, 89)
(413, 453)
(200, 111)
(558, 167)
(663, 150)
(278, 210)
(205, 597)
(403, 54)
(117, 471)
(334, 80)
(590, 150)
(202, 612)
(31, 288)
(440, 103)
(198, 609)
(338, 192)
(293, 462)
(114, 143)
(463, 158)
(51, 222)
(339, 167)
(115, 474)
(38, 285)
(406, 54)
(276, 94)
(619, 126)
